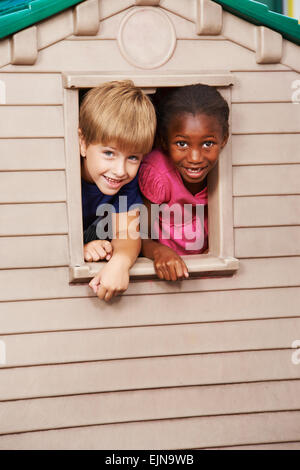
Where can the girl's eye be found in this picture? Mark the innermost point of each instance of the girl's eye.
(208, 144)
(181, 144)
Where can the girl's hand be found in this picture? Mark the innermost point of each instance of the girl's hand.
(97, 250)
(112, 280)
(168, 264)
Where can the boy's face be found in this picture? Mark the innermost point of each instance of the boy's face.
(108, 167)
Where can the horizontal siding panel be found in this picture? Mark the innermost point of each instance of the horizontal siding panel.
(82, 346)
(72, 55)
(290, 54)
(267, 179)
(33, 219)
(5, 52)
(269, 86)
(182, 27)
(167, 434)
(83, 313)
(50, 283)
(35, 252)
(107, 408)
(266, 211)
(265, 149)
(39, 89)
(143, 373)
(55, 29)
(265, 118)
(32, 154)
(31, 121)
(270, 446)
(270, 241)
(35, 186)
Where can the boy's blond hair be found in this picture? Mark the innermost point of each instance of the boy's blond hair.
(118, 113)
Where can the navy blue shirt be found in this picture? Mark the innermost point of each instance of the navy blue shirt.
(92, 198)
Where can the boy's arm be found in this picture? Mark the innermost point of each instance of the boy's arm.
(126, 244)
(148, 245)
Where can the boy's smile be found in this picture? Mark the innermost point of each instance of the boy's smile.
(194, 145)
(108, 167)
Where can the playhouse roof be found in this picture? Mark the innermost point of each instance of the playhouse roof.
(19, 14)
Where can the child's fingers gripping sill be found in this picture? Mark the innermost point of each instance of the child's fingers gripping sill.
(171, 269)
(97, 250)
(168, 264)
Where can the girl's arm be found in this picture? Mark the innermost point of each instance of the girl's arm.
(114, 277)
(167, 263)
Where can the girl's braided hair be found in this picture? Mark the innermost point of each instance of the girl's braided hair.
(189, 99)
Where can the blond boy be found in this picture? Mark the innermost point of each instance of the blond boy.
(116, 128)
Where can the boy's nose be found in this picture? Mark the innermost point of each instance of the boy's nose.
(119, 169)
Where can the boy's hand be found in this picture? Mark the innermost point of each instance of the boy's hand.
(168, 264)
(97, 250)
(112, 280)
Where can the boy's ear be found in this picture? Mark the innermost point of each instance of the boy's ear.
(82, 144)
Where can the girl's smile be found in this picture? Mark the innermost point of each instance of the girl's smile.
(194, 145)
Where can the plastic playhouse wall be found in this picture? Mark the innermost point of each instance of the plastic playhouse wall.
(205, 363)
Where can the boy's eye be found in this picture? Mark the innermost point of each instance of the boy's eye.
(181, 144)
(108, 153)
(133, 158)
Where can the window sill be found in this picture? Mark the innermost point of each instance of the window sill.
(198, 265)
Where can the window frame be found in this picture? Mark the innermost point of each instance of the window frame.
(220, 260)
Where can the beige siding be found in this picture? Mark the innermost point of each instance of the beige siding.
(266, 149)
(54, 282)
(266, 211)
(35, 186)
(32, 154)
(82, 346)
(266, 180)
(69, 55)
(31, 121)
(271, 446)
(37, 251)
(4, 52)
(40, 89)
(86, 313)
(33, 219)
(166, 434)
(144, 373)
(264, 118)
(270, 241)
(55, 29)
(184, 29)
(264, 87)
(117, 407)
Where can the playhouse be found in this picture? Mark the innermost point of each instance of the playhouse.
(209, 362)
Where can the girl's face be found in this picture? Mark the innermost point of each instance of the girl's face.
(194, 144)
